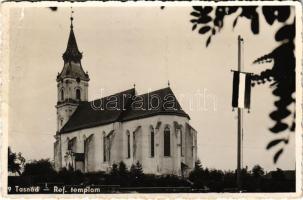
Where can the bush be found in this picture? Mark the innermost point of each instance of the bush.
(213, 180)
(96, 178)
(39, 167)
(70, 177)
(136, 174)
(118, 175)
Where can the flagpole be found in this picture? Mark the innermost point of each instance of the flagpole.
(240, 122)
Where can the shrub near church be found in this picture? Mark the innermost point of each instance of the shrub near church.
(121, 178)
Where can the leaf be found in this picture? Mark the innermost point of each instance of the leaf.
(198, 8)
(193, 20)
(204, 29)
(268, 13)
(231, 9)
(255, 24)
(286, 32)
(208, 41)
(194, 27)
(262, 58)
(235, 22)
(204, 19)
(283, 13)
(279, 127)
(207, 9)
(195, 14)
(284, 103)
(293, 126)
(275, 142)
(279, 114)
(213, 31)
(277, 155)
(249, 12)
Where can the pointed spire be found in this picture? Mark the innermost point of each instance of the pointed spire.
(72, 52)
(72, 58)
(71, 18)
(168, 83)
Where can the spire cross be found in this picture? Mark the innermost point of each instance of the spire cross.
(71, 17)
(168, 83)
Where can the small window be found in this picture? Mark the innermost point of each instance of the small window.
(78, 94)
(166, 141)
(62, 95)
(152, 143)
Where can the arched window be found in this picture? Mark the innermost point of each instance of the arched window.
(152, 142)
(181, 143)
(128, 144)
(68, 144)
(104, 148)
(62, 95)
(134, 145)
(167, 141)
(78, 94)
(71, 145)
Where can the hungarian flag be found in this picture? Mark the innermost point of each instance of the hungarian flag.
(241, 90)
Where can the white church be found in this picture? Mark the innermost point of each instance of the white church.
(148, 128)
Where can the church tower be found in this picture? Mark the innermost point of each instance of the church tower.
(72, 82)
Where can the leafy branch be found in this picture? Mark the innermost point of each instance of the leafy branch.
(281, 75)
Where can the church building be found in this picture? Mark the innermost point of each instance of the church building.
(91, 136)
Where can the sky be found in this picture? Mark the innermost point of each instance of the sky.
(146, 46)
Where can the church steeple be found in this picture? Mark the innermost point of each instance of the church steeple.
(72, 81)
(72, 52)
(72, 58)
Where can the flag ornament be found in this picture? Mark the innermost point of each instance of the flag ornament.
(241, 90)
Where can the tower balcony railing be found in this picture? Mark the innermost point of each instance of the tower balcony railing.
(68, 100)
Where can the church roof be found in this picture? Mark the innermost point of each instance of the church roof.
(167, 105)
(123, 106)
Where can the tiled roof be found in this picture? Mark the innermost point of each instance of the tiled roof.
(158, 102)
(90, 114)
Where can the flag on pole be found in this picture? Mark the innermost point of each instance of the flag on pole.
(241, 90)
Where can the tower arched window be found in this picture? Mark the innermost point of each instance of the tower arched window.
(167, 141)
(62, 95)
(78, 94)
(152, 142)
